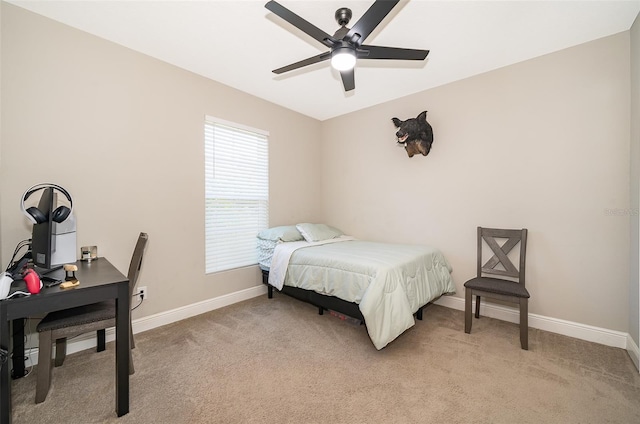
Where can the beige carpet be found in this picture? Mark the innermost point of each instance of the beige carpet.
(278, 361)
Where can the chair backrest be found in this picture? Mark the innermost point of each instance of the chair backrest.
(136, 262)
(500, 253)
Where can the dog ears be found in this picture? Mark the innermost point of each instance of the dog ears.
(421, 118)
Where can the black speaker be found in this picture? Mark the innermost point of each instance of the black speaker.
(35, 215)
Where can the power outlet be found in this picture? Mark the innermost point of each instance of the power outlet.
(142, 292)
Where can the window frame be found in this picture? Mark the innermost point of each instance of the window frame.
(231, 247)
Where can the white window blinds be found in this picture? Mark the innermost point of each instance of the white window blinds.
(236, 193)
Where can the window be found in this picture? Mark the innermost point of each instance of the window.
(236, 193)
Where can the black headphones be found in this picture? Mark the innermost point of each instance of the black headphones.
(35, 215)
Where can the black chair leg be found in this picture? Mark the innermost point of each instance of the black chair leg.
(468, 297)
(43, 381)
(477, 306)
(101, 334)
(524, 323)
(61, 351)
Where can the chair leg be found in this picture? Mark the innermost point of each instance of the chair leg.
(43, 381)
(468, 297)
(132, 342)
(102, 340)
(61, 351)
(524, 323)
(131, 368)
(477, 306)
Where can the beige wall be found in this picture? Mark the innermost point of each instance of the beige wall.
(543, 144)
(634, 282)
(1, 125)
(124, 134)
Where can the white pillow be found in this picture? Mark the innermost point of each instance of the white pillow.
(265, 252)
(283, 233)
(318, 232)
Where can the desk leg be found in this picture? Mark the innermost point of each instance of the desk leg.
(18, 370)
(122, 349)
(5, 381)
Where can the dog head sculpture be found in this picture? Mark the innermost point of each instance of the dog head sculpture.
(415, 133)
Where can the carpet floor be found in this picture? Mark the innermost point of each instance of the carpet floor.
(278, 361)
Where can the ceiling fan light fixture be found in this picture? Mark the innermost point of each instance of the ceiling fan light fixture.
(346, 43)
(343, 58)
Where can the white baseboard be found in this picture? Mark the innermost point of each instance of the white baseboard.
(88, 341)
(568, 328)
(178, 314)
(554, 325)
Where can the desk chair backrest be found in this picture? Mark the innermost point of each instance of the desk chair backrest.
(136, 262)
(500, 264)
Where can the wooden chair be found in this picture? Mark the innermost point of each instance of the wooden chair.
(500, 288)
(70, 322)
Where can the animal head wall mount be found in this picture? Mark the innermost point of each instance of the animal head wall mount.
(415, 134)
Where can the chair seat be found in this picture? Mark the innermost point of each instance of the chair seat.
(81, 315)
(497, 285)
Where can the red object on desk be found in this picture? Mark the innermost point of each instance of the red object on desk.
(33, 281)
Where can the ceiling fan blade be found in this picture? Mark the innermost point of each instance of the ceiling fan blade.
(379, 52)
(305, 62)
(348, 80)
(300, 23)
(370, 20)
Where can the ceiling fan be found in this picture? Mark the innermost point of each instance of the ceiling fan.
(346, 44)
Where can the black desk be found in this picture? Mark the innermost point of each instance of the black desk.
(99, 280)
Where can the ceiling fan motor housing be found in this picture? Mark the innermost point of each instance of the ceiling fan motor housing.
(343, 16)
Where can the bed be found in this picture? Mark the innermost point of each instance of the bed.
(381, 284)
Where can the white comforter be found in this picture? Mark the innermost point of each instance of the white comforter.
(389, 282)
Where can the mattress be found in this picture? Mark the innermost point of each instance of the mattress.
(389, 282)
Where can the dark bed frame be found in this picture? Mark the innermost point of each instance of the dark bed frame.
(321, 301)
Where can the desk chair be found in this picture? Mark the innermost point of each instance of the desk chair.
(500, 288)
(70, 322)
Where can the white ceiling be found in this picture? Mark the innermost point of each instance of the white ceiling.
(239, 43)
